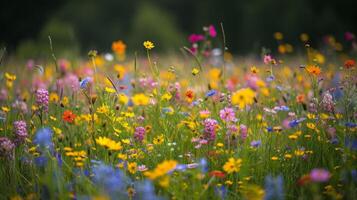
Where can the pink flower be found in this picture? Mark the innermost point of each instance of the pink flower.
(212, 31)
(243, 131)
(194, 38)
(227, 114)
(349, 36)
(319, 175)
(268, 59)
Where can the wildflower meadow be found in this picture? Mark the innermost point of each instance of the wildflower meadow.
(200, 123)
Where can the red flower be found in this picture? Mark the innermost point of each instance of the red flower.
(68, 116)
(304, 180)
(217, 173)
(349, 64)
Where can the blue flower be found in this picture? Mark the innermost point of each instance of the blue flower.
(43, 139)
(293, 123)
(221, 191)
(270, 78)
(203, 165)
(211, 93)
(256, 143)
(84, 82)
(274, 188)
(270, 129)
(350, 124)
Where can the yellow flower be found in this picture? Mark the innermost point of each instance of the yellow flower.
(123, 99)
(164, 181)
(214, 74)
(140, 99)
(159, 139)
(132, 167)
(122, 156)
(148, 45)
(54, 97)
(65, 101)
(278, 35)
(108, 143)
(195, 71)
(288, 156)
(121, 71)
(161, 169)
(232, 165)
(274, 158)
(243, 97)
(252, 192)
(254, 70)
(311, 125)
(103, 109)
(5, 109)
(109, 90)
(293, 137)
(166, 96)
(10, 77)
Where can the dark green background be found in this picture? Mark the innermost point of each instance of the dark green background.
(80, 25)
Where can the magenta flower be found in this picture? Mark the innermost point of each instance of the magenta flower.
(227, 114)
(212, 31)
(349, 36)
(194, 38)
(319, 175)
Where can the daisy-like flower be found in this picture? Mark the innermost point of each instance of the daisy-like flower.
(149, 45)
(68, 116)
(232, 165)
(227, 114)
(243, 97)
(314, 70)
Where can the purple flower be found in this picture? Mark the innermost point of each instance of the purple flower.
(349, 36)
(6, 147)
(139, 133)
(42, 99)
(327, 102)
(243, 131)
(256, 143)
(319, 175)
(20, 129)
(210, 126)
(227, 114)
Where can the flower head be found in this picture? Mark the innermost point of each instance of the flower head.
(319, 175)
(149, 45)
(313, 69)
(42, 98)
(232, 165)
(243, 97)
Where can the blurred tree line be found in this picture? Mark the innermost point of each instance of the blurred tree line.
(77, 26)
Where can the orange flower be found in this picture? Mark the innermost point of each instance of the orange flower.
(189, 95)
(314, 70)
(119, 47)
(349, 64)
(300, 98)
(68, 116)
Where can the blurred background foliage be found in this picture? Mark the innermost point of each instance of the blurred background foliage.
(77, 26)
